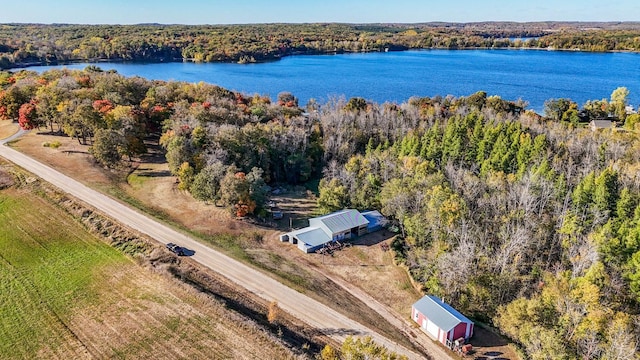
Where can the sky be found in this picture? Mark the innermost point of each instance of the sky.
(306, 11)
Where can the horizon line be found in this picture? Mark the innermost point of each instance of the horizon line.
(338, 23)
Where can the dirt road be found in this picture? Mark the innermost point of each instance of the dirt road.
(311, 311)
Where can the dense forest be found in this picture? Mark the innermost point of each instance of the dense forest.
(528, 222)
(33, 44)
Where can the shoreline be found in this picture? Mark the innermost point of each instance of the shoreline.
(24, 65)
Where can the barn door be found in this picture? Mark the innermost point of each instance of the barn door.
(432, 329)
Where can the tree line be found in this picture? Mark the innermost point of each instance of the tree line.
(529, 222)
(34, 44)
(222, 146)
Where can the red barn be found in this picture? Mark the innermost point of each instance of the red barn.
(440, 320)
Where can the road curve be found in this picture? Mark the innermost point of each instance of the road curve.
(301, 306)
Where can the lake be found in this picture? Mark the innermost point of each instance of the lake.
(531, 75)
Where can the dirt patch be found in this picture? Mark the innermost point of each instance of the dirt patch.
(297, 207)
(367, 265)
(6, 179)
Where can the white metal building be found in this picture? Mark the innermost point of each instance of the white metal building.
(337, 226)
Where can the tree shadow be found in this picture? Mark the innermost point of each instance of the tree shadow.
(492, 353)
(153, 158)
(74, 152)
(373, 238)
(486, 338)
(154, 173)
(53, 133)
(187, 252)
(155, 153)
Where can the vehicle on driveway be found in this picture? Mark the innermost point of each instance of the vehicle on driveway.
(178, 250)
(277, 214)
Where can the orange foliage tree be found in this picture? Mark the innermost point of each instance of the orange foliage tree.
(27, 116)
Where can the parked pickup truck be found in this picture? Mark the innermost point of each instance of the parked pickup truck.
(175, 249)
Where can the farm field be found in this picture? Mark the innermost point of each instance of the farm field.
(65, 294)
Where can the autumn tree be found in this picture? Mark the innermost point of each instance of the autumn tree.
(206, 184)
(49, 98)
(356, 104)
(556, 108)
(27, 116)
(129, 122)
(81, 120)
(329, 353)
(15, 96)
(107, 147)
(365, 348)
(333, 196)
(241, 192)
(287, 99)
(619, 100)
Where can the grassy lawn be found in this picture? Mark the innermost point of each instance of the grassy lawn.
(47, 269)
(7, 128)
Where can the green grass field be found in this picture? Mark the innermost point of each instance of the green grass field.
(65, 294)
(47, 268)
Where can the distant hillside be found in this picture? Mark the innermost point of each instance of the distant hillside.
(34, 44)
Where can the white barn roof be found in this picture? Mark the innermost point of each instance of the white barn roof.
(341, 221)
(312, 236)
(440, 313)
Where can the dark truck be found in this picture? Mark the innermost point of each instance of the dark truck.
(178, 250)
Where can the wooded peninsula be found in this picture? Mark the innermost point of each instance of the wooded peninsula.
(36, 44)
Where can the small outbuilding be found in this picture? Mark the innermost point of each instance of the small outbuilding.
(338, 226)
(601, 124)
(375, 219)
(441, 321)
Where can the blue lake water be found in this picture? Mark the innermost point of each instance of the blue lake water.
(532, 75)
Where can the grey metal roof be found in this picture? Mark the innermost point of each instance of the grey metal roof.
(601, 124)
(311, 236)
(440, 313)
(343, 220)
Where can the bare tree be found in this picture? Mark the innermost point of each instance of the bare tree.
(582, 255)
(621, 344)
(456, 267)
(590, 345)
